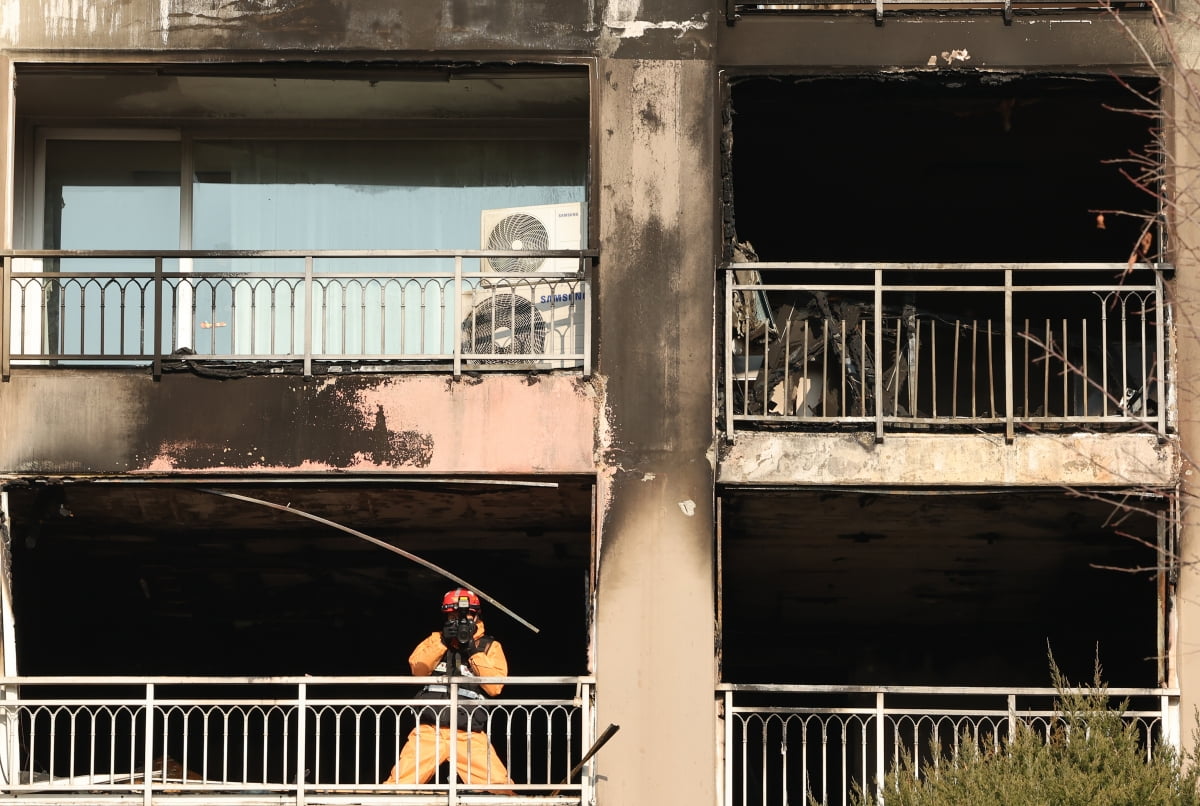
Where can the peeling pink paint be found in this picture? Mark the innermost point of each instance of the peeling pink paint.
(499, 424)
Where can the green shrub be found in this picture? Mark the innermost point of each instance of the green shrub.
(1092, 757)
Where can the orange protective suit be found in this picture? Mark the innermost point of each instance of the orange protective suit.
(428, 746)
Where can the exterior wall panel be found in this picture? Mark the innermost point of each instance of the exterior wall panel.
(104, 423)
(312, 26)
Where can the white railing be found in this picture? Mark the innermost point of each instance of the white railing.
(919, 347)
(444, 310)
(788, 743)
(734, 9)
(281, 740)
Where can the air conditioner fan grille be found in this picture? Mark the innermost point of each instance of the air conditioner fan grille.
(504, 324)
(518, 232)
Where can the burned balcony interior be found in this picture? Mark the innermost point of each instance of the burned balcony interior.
(935, 589)
(173, 579)
(921, 206)
(164, 579)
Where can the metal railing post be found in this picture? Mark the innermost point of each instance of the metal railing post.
(301, 740)
(587, 318)
(1009, 394)
(1012, 716)
(726, 790)
(156, 367)
(6, 298)
(876, 361)
(308, 315)
(1160, 361)
(456, 344)
(587, 777)
(880, 757)
(452, 777)
(148, 749)
(730, 279)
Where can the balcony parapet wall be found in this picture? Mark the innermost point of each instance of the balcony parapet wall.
(1082, 459)
(104, 422)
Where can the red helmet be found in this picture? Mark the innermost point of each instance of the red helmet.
(460, 599)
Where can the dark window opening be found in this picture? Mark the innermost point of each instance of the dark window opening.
(974, 589)
(167, 580)
(937, 168)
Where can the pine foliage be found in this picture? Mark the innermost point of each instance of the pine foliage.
(1090, 756)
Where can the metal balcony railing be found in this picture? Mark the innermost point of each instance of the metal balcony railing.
(735, 9)
(787, 743)
(922, 347)
(376, 310)
(72, 740)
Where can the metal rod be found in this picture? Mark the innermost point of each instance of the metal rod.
(374, 540)
(595, 748)
(974, 367)
(933, 363)
(896, 370)
(1026, 336)
(1066, 365)
(788, 408)
(1046, 370)
(954, 375)
(991, 361)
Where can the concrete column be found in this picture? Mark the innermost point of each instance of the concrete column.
(655, 612)
(1185, 206)
(9, 722)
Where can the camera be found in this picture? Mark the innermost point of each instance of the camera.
(457, 631)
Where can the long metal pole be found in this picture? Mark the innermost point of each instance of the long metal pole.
(382, 544)
(608, 733)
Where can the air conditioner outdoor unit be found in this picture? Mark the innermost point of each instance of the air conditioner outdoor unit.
(529, 318)
(532, 228)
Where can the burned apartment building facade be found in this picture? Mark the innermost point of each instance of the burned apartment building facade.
(749, 359)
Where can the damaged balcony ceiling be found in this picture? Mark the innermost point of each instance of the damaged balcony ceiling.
(59, 92)
(956, 553)
(116, 518)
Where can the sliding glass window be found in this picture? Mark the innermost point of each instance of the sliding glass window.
(122, 191)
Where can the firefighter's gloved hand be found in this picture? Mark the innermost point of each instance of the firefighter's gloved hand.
(468, 648)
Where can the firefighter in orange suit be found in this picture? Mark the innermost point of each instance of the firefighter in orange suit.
(462, 643)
